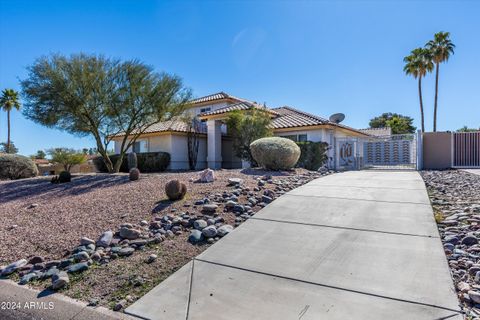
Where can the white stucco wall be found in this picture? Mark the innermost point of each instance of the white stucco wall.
(315, 135)
(213, 106)
(179, 153)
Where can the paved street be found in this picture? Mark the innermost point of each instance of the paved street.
(358, 244)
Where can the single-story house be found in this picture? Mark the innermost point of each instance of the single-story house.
(215, 146)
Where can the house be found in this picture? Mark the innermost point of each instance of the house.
(215, 146)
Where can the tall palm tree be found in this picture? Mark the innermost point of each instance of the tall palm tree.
(8, 101)
(441, 48)
(417, 64)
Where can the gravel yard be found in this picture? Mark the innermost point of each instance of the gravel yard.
(455, 197)
(48, 220)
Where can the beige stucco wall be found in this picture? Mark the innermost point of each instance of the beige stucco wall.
(179, 152)
(437, 150)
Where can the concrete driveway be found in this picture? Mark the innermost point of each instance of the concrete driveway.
(354, 245)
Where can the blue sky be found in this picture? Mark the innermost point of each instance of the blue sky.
(322, 57)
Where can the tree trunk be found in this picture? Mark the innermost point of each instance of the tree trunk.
(118, 163)
(436, 99)
(421, 102)
(8, 130)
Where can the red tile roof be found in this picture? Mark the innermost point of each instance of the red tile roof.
(238, 106)
(217, 96)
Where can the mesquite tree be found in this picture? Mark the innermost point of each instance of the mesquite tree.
(105, 98)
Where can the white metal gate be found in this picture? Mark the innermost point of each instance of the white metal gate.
(397, 151)
(466, 149)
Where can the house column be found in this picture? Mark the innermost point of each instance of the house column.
(214, 144)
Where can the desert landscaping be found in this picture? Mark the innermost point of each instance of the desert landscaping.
(151, 236)
(455, 197)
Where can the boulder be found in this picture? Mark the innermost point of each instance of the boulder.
(207, 175)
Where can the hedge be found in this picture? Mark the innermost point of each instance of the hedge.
(14, 166)
(146, 162)
(313, 155)
(275, 153)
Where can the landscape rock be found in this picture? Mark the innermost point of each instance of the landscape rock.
(105, 239)
(224, 230)
(209, 232)
(28, 277)
(200, 224)
(125, 251)
(131, 234)
(209, 208)
(60, 280)
(78, 267)
(151, 258)
(234, 181)
(86, 241)
(196, 236)
(35, 259)
(13, 267)
(207, 175)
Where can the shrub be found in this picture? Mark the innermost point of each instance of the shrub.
(13, 166)
(146, 162)
(175, 190)
(132, 161)
(275, 153)
(64, 176)
(134, 174)
(313, 155)
(67, 157)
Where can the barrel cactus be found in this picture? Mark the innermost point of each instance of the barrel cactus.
(134, 174)
(132, 160)
(275, 153)
(175, 190)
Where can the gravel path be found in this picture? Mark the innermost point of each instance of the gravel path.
(455, 197)
(91, 204)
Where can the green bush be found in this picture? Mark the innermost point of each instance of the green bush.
(146, 162)
(64, 176)
(275, 153)
(313, 155)
(14, 166)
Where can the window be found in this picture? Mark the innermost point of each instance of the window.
(202, 110)
(140, 146)
(296, 137)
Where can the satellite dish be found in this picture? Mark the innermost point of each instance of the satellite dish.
(337, 117)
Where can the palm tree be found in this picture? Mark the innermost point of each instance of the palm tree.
(441, 48)
(8, 101)
(417, 64)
